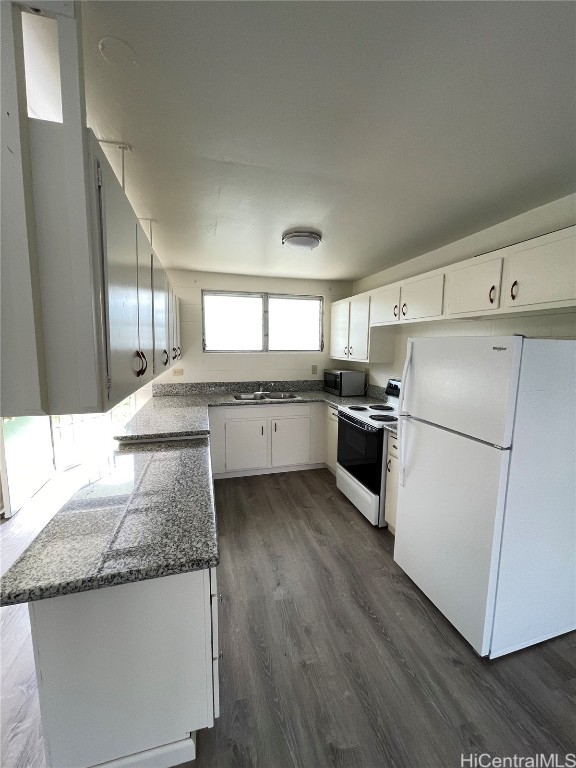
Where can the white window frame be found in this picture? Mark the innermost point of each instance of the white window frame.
(265, 336)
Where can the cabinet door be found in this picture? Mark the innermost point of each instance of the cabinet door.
(119, 242)
(391, 499)
(339, 318)
(290, 441)
(422, 298)
(542, 270)
(160, 315)
(247, 444)
(145, 310)
(385, 306)
(358, 332)
(474, 288)
(331, 438)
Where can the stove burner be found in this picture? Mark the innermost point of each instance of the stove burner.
(358, 408)
(381, 407)
(382, 417)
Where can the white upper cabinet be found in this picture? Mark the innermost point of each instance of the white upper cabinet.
(385, 305)
(474, 287)
(96, 309)
(422, 298)
(542, 271)
(339, 320)
(349, 329)
(161, 358)
(119, 233)
(358, 330)
(145, 306)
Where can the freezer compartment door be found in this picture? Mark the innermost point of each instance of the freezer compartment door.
(449, 524)
(467, 384)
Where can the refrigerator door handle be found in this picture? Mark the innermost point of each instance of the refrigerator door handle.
(401, 442)
(404, 385)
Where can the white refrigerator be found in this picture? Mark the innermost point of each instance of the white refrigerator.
(486, 518)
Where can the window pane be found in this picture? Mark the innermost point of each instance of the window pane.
(233, 323)
(294, 324)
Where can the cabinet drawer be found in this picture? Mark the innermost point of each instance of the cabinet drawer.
(392, 446)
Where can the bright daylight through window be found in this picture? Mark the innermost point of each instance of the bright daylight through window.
(261, 322)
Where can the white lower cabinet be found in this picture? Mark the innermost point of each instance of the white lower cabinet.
(266, 438)
(391, 499)
(331, 438)
(247, 444)
(290, 441)
(127, 672)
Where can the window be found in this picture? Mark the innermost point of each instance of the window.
(261, 322)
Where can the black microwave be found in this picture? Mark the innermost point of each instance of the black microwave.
(345, 383)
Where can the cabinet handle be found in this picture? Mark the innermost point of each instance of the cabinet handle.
(140, 370)
(175, 353)
(275, 426)
(492, 294)
(166, 357)
(345, 350)
(221, 655)
(404, 308)
(262, 428)
(351, 351)
(145, 363)
(395, 310)
(514, 290)
(219, 598)
(388, 465)
(179, 353)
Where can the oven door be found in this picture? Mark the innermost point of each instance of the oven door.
(360, 452)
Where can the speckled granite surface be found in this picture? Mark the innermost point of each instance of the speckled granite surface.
(187, 415)
(153, 516)
(228, 387)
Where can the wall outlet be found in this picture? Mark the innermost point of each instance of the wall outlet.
(178, 372)
(314, 369)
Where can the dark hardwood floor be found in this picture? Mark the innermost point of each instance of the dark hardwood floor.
(331, 656)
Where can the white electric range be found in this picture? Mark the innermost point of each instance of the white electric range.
(362, 446)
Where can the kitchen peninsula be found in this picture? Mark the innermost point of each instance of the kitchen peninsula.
(127, 662)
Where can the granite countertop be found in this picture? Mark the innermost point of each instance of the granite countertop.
(187, 415)
(152, 516)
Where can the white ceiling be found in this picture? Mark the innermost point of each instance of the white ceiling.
(392, 127)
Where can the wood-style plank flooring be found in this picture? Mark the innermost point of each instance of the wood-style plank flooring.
(331, 656)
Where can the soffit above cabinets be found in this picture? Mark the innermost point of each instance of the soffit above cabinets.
(392, 128)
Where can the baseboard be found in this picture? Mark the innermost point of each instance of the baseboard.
(159, 757)
(266, 471)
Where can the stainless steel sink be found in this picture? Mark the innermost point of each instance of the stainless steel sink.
(281, 396)
(267, 396)
(251, 396)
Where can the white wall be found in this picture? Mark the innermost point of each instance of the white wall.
(199, 366)
(547, 218)
(539, 325)
(539, 221)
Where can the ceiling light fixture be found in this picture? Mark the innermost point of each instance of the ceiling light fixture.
(303, 240)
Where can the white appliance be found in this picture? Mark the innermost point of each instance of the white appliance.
(486, 518)
(362, 445)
